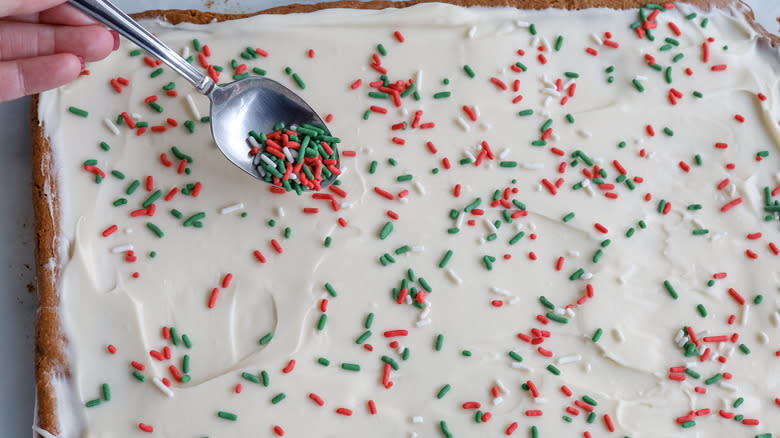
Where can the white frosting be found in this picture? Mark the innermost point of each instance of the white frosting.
(626, 371)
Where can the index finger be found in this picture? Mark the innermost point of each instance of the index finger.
(20, 7)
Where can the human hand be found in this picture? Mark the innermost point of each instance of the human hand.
(45, 43)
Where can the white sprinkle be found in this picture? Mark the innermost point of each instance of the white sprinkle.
(587, 367)
(718, 236)
(185, 52)
(587, 276)
(514, 300)
(417, 419)
(253, 142)
(532, 166)
(161, 386)
(726, 385)
(538, 188)
(502, 387)
(136, 116)
(522, 366)
(403, 111)
(418, 248)
(551, 92)
(569, 83)
(453, 276)
(404, 200)
(468, 154)
(425, 311)
(462, 123)
(745, 313)
(588, 189)
(640, 78)
(559, 311)
(412, 434)
(489, 225)
(121, 248)
(548, 82)
(596, 39)
(763, 338)
(573, 253)
(540, 400)
(268, 161)
(501, 291)
(260, 169)
(570, 312)
(547, 101)
(287, 154)
(730, 352)
(544, 113)
(584, 134)
(423, 322)
(535, 41)
(280, 211)
(110, 125)
(775, 319)
(569, 359)
(419, 187)
(521, 23)
(504, 152)
(471, 32)
(231, 208)
(497, 401)
(618, 335)
(679, 336)
(697, 223)
(691, 364)
(418, 81)
(485, 126)
(408, 299)
(546, 43)
(532, 226)
(476, 111)
(42, 432)
(193, 109)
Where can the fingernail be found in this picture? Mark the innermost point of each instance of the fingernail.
(83, 64)
(115, 34)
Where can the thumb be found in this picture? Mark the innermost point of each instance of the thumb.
(15, 7)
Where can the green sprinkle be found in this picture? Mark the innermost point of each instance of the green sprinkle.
(670, 289)
(362, 338)
(557, 318)
(322, 321)
(106, 392)
(227, 415)
(251, 377)
(592, 417)
(299, 81)
(330, 290)
(668, 132)
(702, 310)
(155, 229)
(678, 57)
(105, 146)
(524, 113)
(445, 259)
(569, 118)
(267, 338)
(694, 207)
(466, 353)
(469, 71)
(589, 400)
(597, 335)
(534, 432)
(714, 379)
(577, 274)
(445, 429)
(700, 232)
(515, 356)
(597, 256)
(758, 299)
(546, 303)
(558, 43)
(442, 94)
(516, 238)
(439, 342)
(259, 71)
(350, 366)
(381, 49)
(692, 373)
(443, 391)
(136, 52)
(93, 403)
(698, 94)
(704, 22)
(156, 73)
(744, 348)
(176, 213)
(551, 368)
(322, 361)
(688, 424)
(638, 85)
(118, 174)
(78, 111)
(386, 230)
(139, 376)
(738, 402)
(539, 143)
(690, 16)
(278, 397)
(532, 29)
(390, 361)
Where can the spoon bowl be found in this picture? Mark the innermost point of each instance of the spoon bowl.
(242, 106)
(254, 103)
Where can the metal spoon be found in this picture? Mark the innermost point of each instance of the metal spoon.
(253, 103)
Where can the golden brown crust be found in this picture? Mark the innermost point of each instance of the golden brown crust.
(50, 356)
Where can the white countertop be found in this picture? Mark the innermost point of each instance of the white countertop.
(17, 270)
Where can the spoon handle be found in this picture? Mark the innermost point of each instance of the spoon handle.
(105, 12)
